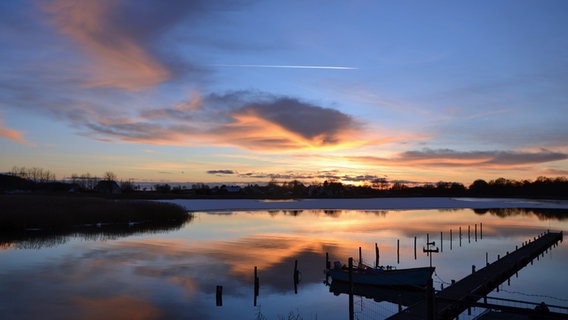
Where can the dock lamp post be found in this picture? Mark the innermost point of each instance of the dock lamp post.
(429, 249)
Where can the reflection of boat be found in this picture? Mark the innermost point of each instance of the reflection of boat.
(381, 276)
(405, 296)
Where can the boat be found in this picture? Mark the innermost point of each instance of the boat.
(382, 276)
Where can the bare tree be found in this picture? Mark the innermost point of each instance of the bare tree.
(109, 176)
(380, 183)
(37, 175)
(85, 181)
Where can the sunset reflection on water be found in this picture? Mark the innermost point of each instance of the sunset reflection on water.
(175, 274)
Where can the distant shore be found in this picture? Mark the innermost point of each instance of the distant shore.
(31, 212)
(415, 203)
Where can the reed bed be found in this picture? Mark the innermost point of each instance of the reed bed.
(25, 212)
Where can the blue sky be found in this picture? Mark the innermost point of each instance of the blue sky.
(246, 91)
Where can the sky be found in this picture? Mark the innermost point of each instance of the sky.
(250, 91)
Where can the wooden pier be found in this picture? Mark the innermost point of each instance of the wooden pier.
(455, 299)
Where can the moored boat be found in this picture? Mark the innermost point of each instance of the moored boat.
(383, 276)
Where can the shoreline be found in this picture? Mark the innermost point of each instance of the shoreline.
(415, 203)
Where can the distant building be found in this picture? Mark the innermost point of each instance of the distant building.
(108, 187)
(233, 189)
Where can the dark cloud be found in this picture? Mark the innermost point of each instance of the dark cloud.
(221, 172)
(244, 119)
(309, 177)
(308, 120)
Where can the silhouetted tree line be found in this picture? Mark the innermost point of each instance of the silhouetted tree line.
(542, 214)
(542, 187)
(38, 179)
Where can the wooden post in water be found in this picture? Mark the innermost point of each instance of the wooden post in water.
(360, 264)
(468, 234)
(427, 241)
(350, 278)
(376, 255)
(414, 247)
(256, 285)
(481, 231)
(451, 240)
(296, 277)
(441, 241)
(475, 233)
(460, 237)
(430, 300)
(397, 250)
(327, 267)
(219, 296)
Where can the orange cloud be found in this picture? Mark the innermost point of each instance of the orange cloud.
(12, 134)
(265, 123)
(120, 60)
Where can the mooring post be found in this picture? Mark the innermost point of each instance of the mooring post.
(414, 247)
(256, 285)
(219, 296)
(430, 300)
(327, 267)
(397, 250)
(350, 278)
(376, 255)
(475, 233)
(468, 234)
(360, 264)
(481, 230)
(441, 241)
(296, 276)
(460, 237)
(451, 240)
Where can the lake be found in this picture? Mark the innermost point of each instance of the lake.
(175, 274)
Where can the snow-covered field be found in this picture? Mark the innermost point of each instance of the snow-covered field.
(367, 204)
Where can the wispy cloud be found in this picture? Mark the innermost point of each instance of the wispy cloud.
(120, 59)
(285, 66)
(12, 134)
(477, 159)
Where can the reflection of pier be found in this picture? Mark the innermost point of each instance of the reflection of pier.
(455, 299)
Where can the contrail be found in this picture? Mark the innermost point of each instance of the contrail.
(284, 66)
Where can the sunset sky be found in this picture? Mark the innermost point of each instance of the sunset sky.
(246, 91)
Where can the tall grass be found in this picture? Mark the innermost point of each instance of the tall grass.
(21, 212)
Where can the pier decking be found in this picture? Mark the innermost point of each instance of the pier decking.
(450, 302)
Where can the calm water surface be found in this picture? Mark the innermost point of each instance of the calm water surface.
(174, 275)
